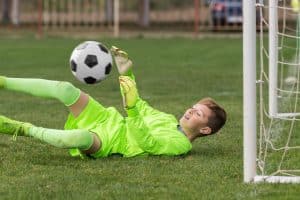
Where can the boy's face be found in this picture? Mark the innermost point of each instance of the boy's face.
(195, 119)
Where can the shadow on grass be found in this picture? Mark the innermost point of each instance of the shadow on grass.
(209, 150)
(4, 145)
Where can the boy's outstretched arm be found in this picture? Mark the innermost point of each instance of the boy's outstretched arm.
(125, 65)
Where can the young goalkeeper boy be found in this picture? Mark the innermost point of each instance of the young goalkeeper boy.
(95, 131)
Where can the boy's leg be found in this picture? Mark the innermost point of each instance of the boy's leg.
(78, 138)
(79, 105)
(67, 139)
(65, 92)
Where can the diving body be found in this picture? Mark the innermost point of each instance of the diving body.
(96, 131)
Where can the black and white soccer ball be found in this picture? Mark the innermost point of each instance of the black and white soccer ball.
(91, 62)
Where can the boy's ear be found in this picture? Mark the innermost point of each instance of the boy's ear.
(205, 130)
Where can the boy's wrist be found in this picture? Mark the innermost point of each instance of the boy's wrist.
(132, 111)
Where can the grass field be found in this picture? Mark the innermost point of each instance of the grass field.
(172, 74)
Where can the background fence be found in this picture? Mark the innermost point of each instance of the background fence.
(147, 15)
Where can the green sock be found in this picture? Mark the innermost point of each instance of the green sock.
(63, 91)
(77, 138)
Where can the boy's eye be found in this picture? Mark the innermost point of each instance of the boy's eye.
(199, 114)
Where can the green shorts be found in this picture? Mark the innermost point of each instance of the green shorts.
(107, 123)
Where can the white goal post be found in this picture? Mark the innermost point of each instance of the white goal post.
(249, 88)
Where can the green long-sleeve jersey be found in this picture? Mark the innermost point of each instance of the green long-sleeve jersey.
(146, 131)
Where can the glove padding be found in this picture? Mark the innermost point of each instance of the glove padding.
(129, 91)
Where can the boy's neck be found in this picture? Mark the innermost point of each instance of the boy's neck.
(188, 134)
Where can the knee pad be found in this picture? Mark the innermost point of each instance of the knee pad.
(67, 93)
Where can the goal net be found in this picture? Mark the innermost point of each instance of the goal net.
(278, 142)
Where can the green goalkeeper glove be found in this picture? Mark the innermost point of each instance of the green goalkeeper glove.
(129, 91)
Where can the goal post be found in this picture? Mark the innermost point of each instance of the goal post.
(249, 89)
(277, 128)
(273, 57)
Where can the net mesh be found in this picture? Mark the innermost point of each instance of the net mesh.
(279, 137)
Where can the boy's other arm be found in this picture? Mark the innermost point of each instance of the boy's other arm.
(173, 145)
(155, 145)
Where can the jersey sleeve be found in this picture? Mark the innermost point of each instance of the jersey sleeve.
(144, 108)
(156, 145)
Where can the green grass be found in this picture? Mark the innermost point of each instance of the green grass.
(172, 74)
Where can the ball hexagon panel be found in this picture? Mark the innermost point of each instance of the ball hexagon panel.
(90, 80)
(103, 48)
(108, 68)
(91, 61)
(73, 66)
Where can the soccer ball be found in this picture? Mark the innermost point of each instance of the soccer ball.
(91, 62)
